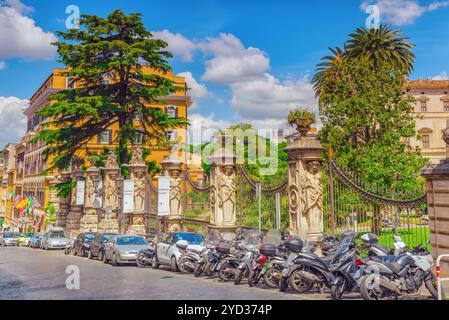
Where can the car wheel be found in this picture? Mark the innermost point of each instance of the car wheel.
(105, 260)
(155, 262)
(173, 264)
(114, 260)
(89, 255)
(100, 255)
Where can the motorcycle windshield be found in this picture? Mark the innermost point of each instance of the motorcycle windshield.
(344, 246)
(213, 237)
(253, 238)
(273, 237)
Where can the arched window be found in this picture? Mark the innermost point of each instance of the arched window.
(172, 111)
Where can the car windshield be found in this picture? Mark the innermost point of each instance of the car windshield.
(11, 235)
(131, 240)
(106, 237)
(191, 238)
(57, 235)
(89, 237)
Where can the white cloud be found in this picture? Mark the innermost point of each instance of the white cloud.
(269, 97)
(21, 38)
(177, 44)
(197, 91)
(231, 62)
(403, 12)
(2, 65)
(202, 128)
(19, 6)
(12, 121)
(441, 76)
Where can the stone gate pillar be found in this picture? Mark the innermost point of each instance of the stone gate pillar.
(223, 194)
(76, 210)
(89, 220)
(437, 187)
(138, 173)
(109, 221)
(305, 187)
(172, 167)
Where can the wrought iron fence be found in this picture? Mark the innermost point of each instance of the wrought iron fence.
(261, 205)
(351, 204)
(196, 199)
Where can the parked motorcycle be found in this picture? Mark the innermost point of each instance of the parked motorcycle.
(209, 257)
(308, 270)
(394, 276)
(70, 246)
(229, 264)
(251, 246)
(144, 258)
(266, 263)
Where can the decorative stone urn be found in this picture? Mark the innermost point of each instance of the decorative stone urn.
(437, 187)
(303, 126)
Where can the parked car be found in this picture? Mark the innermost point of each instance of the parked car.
(25, 239)
(82, 241)
(96, 247)
(9, 239)
(167, 251)
(34, 241)
(54, 239)
(123, 249)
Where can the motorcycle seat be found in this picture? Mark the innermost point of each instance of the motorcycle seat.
(194, 250)
(382, 248)
(383, 259)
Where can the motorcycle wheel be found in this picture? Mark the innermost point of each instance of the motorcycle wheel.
(207, 271)
(283, 284)
(198, 270)
(253, 278)
(100, 255)
(67, 251)
(299, 284)
(238, 277)
(140, 261)
(337, 291)
(269, 279)
(368, 288)
(154, 263)
(224, 274)
(432, 286)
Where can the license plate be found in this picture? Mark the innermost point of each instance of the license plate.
(285, 272)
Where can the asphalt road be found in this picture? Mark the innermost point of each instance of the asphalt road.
(36, 274)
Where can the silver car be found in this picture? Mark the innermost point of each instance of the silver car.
(9, 239)
(123, 249)
(54, 240)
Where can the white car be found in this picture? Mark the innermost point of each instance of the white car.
(170, 248)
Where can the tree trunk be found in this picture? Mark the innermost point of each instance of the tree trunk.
(123, 142)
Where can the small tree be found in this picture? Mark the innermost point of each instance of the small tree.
(106, 58)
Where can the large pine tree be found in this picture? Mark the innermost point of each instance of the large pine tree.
(106, 57)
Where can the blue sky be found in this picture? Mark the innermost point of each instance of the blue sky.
(245, 60)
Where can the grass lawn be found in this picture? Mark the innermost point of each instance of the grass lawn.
(415, 236)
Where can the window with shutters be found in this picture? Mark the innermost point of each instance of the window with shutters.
(71, 83)
(172, 111)
(423, 106)
(105, 137)
(425, 141)
(172, 135)
(446, 105)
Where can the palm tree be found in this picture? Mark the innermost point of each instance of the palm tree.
(327, 68)
(381, 45)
